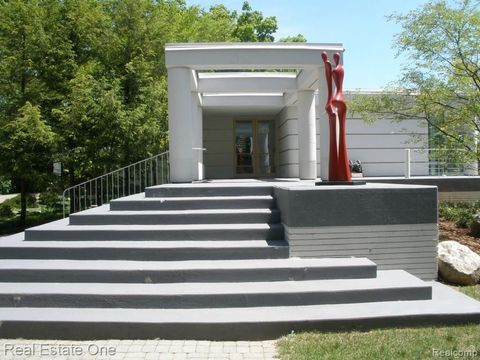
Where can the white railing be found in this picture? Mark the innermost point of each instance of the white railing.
(411, 162)
(440, 162)
(128, 180)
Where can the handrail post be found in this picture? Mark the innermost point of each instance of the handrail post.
(407, 164)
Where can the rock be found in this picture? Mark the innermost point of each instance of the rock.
(475, 225)
(458, 264)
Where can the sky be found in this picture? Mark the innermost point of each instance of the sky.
(360, 25)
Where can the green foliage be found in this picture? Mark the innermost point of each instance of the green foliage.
(253, 27)
(84, 81)
(6, 210)
(51, 200)
(11, 226)
(461, 213)
(27, 139)
(15, 202)
(5, 186)
(296, 38)
(441, 81)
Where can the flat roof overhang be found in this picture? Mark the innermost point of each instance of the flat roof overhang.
(240, 91)
(225, 56)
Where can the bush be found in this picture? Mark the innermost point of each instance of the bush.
(50, 199)
(5, 186)
(6, 210)
(461, 213)
(15, 202)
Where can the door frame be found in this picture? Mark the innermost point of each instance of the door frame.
(255, 154)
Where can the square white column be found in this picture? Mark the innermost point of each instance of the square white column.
(307, 143)
(180, 115)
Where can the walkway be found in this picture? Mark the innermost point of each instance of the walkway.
(136, 349)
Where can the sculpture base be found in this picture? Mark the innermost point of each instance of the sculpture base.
(326, 183)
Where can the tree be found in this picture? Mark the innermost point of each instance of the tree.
(296, 38)
(28, 141)
(441, 82)
(94, 70)
(253, 27)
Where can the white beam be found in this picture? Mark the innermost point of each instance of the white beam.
(245, 100)
(248, 56)
(248, 83)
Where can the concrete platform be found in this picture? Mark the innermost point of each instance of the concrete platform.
(446, 307)
(87, 271)
(387, 286)
(250, 231)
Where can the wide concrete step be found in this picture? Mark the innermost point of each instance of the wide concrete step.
(53, 232)
(388, 286)
(139, 202)
(447, 306)
(175, 217)
(145, 250)
(206, 190)
(116, 271)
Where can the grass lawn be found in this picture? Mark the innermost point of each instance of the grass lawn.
(406, 343)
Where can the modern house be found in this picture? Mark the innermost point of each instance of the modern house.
(250, 256)
(257, 110)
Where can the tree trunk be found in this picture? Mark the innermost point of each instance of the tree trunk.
(23, 202)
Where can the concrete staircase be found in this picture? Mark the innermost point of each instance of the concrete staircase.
(196, 261)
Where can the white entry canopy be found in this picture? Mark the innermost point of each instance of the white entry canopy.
(221, 56)
(240, 78)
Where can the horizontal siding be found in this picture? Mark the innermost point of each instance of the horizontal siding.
(459, 196)
(369, 141)
(358, 126)
(385, 155)
(288, 170)
(411, 247)
(287, 135)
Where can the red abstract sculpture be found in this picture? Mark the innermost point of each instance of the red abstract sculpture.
(338, 166)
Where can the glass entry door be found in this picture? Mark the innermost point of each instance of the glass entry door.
(255, 148)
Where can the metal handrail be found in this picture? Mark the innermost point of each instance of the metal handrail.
(128, 180)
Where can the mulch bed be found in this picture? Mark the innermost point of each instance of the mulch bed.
(449, 231)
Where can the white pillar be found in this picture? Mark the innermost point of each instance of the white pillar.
(180, 115)
(307, 135)
(197, 144)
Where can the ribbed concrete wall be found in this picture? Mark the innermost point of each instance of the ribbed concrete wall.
(287, 130)
(393, 225)
(408, 247)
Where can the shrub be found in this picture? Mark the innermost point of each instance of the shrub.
(15, 202)
(50, 199)
(5, 186)
(6, 210)
(461, 213)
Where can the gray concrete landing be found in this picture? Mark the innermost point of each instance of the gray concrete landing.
(446, 307)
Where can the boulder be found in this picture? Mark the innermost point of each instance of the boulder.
(475, 225)
(458, 264)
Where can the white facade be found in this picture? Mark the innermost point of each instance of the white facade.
(268, 123)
